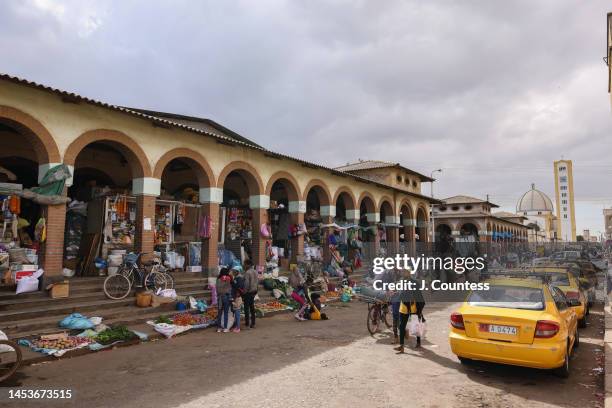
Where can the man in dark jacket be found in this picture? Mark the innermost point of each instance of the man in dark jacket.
(251, 282)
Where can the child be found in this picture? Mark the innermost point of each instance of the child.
(238, 289)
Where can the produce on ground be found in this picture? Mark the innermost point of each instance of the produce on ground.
(188, 319)
(163, 319)
(69, 342)
(117, 333)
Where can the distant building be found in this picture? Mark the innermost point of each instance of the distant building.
(607, 213)
(391, 174)
(538, 209)
(464, 217)
(609, 53)
(564, 193)
(586, 234)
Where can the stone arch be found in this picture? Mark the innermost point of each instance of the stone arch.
(321, 190)
(367, 199)
(386, 203)
(132, 151)
(36, 133)
(289, 183)
(248, 172)
(347, 196)
(194, 160)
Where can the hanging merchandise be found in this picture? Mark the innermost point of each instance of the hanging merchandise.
(15, 205)
(204, 226)
(41, 230)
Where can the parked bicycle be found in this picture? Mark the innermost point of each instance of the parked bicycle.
(10, 359)
(378, 314)
(133, 273)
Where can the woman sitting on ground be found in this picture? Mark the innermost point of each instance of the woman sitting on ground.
(296, 281)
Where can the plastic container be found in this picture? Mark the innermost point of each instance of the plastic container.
(143, 299)
(112, 270)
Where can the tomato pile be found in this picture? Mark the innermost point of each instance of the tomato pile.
(61, 344)
(188, 319)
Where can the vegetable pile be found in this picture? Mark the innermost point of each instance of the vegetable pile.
(188, 319)
(61, 344)
(163, 319)
(117, 333)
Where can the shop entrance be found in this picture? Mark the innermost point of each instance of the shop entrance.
(101, 214)
(280, 223)
(21, 241)
(236, 219)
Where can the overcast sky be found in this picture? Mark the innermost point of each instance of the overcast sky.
(491, 92)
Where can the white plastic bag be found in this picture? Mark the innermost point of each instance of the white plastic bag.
(96, 320)
(3, 348)
(193, 304)
(422, 329)
(168, 330)
(413, 325)
(169, 293)
(29, 283)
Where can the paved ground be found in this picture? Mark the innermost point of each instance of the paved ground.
(284, 363)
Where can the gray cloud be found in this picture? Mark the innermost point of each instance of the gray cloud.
(492, 92)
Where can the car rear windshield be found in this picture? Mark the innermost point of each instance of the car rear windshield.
(510, 297)
(559, 279)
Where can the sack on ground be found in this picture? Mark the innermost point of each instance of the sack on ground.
(4, 348)
(76, 321)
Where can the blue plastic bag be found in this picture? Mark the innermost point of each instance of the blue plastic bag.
(76, 321)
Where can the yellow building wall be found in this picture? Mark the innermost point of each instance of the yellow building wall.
(67, 121)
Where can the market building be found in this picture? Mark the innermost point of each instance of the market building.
(470, 219)
(143, 180)
(538, 208)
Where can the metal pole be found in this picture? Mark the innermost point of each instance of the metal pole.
(433, 220)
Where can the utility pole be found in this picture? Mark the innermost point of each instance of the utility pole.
(433, 221)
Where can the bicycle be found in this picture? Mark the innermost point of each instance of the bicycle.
(10, 359)
(131, 275)
(378, 313)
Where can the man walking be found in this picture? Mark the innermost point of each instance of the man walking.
(251, 281)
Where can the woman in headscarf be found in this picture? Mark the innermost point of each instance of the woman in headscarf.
(296, 281)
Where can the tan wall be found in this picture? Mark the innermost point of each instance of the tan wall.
(67, 121)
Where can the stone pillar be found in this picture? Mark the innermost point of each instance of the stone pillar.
(146, 190)
(52, 250)
(374, 246)
(297, 209)
(259, 205)
(328, 212)
(393, 234)
(211, 198)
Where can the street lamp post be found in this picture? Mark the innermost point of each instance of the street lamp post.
(433, 221)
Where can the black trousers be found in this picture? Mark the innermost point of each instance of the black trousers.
(249, 308)
(403, 322)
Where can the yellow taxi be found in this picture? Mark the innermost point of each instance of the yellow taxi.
(562, 277)
(517, 321)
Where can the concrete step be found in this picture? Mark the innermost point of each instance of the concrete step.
(85, 307)
(79, 297)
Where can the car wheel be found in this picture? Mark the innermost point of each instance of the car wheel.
(576, 339)
(465, 361)
(564, 370)
(582, 323)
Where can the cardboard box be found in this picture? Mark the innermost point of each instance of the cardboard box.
(18, 275)
(59, 290)
(284, 263)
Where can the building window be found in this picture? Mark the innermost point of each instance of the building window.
(442, 208)
(407, 181)
(563, 187)
(563, 201)
(565, 216)
(414, 183)
(564, 208)
(563, 179)
(563, 194)
(562, 168)
(399, 179)
(468, 207)
(455, 208)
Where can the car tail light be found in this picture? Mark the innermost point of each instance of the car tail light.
(572, 295)
(456, 321)
(546, 329)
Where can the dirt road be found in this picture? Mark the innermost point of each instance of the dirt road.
(285, 363)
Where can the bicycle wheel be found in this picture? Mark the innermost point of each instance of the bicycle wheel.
(117, 286)
(10, 359)
(385, 316)
(155, 281)
(169, 280)
(373, 320)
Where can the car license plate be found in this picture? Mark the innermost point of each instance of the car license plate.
(497, 329)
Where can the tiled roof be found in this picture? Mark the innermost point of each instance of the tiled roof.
(463, 199)
(506, 214)
(379, 164)
(72, 97)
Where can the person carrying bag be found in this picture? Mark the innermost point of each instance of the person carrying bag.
(412, 304)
